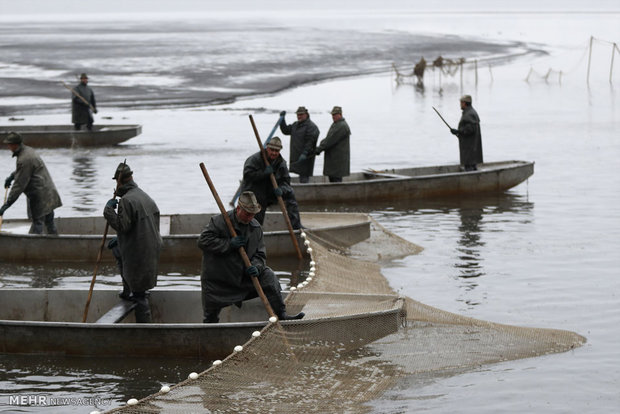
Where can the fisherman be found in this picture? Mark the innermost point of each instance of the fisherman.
(80, 110)
(304, 134)
(336, 147)
(137, 228)
(257, 179)
(468, 133)
(31, 178)
(224, 278)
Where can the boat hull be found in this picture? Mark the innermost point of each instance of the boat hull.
(414, 184)
(64, 136)
(80, 237)
(48, 321)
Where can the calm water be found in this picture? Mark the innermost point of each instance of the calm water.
(545, 254)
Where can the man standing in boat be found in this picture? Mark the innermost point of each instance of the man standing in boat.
(224, 278)
(137, 228)
(336, 147)
(304, 134)
(468, 133)
(82, 105)
(257, 179)
(31, 178)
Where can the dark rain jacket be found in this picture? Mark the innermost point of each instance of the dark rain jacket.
(470, 138)
(303, 141)
(33, 179)
(137, 228)
(80, 112)
(337, 152)
(224, 280)
(255, 179)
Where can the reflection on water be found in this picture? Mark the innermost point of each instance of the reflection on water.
(58, 379)
(472, 223)
(84, 179)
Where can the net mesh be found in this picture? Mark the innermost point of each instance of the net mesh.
(358, 340)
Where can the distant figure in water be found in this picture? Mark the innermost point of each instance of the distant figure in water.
(418, 71)
(80, 110)
(468, 133)
(336, 147)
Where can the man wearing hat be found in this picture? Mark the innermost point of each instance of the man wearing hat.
(257, 179)
(304, 134)
(137, 227)
(224, 278)
(80, 110)
(31, 178)
(468, 133)
(336, 147)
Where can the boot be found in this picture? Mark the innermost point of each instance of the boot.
(143, 307)
(283, 316)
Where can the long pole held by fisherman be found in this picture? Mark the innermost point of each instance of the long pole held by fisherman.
(275, 185)
(6, 193)
(100, 253)
(444, 121)
(79, 96)
(273, 130)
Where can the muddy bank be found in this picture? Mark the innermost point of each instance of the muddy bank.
(177, 63)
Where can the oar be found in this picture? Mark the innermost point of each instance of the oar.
(275, 185)
(444, 121)
(233, 233)
(273, 130)
(79, 96)
(6, 193)
(99, 254)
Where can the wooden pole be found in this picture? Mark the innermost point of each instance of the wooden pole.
(233, 233)
(79, 96)
(275, 185)
(611, 68)
(589, 60)
(100, 253)
(6, 193)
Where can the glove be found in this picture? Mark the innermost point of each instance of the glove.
(3, 209)
(317, 151)
(95, 110)
(113, 202)
(302, 157)
(277, 191)
(454, 131)
(113, 243)
(238, 241)
(9, 180)
(252, 271)
(282, 113)
(268, 170)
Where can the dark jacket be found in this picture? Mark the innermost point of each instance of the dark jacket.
(303, 141)
(137, 228)
(255, 179)
(470, 138)
(80, 112)
(33, 179)
(224, 280)
(337, 152)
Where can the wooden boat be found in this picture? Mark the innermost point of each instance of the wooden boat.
(413, 183)
(64, 136)
(80, 237)
(48, 321)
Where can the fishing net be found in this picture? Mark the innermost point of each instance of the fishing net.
(358, 340)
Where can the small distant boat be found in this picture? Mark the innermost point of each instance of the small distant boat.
(79, 238)
(49, 322)
(64, 136)
(373, 186)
